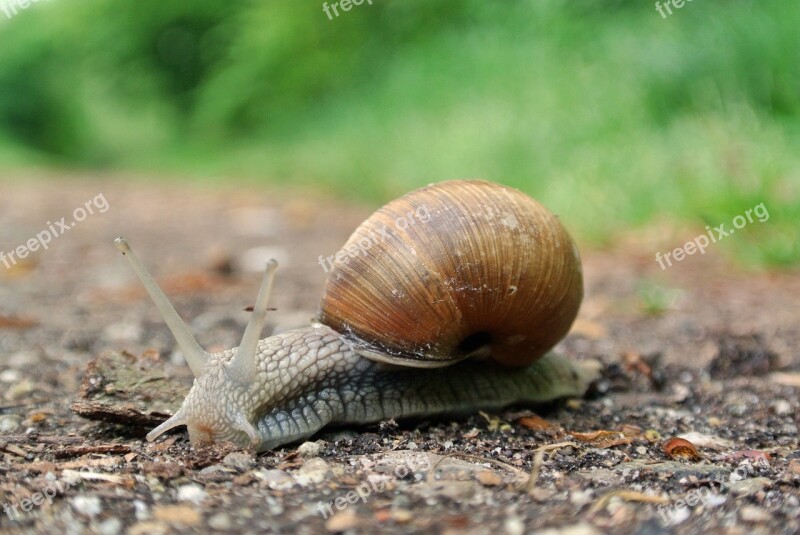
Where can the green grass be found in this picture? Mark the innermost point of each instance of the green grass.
(607, 113)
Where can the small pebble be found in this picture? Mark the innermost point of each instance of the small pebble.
(751, 513)
(487, 478)
(513, 525)
(87, 505)
(275, 479)
(310, 449)
(749, 487)
(141, 510)
(192, 493)
(781, 407)
(9, 376)
(402, 516)
(575, 529)
(220, 522)
(9, 424)
(313, 471)
(342, 521)
(239, 460)
(112, 526)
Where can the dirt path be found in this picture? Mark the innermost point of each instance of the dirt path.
(700, 349)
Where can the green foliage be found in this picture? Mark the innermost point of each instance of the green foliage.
(605, 111)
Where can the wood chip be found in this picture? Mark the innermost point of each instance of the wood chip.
(12, 322)
(39, 439)
(628, 496)
(794, 467)
(487, 478)
(92, 476)
(14, 450)
(787, 379)
(603, 438)
(177, 514)
(342, 521)
(595, 436)
(80, 451)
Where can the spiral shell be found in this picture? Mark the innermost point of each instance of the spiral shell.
(455, 269)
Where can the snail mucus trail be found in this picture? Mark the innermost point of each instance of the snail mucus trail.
(448, 317)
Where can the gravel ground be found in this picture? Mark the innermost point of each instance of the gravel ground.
(702, 351)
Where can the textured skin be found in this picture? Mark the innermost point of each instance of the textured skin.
(309, 378)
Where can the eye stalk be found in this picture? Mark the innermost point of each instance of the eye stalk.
(241, 368)
(195, 355)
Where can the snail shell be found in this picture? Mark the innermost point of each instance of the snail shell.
(452, 270)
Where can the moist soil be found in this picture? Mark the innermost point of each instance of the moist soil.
(692, 427)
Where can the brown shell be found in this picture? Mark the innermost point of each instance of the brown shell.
(455, 269)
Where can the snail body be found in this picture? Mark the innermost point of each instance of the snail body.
(476, 293)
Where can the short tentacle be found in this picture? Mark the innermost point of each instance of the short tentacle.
(177, 420)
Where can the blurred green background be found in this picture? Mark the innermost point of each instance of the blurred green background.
(612, 115)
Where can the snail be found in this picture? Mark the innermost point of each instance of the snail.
(445, 316)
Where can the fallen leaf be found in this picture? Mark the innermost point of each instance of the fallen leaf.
(472, 433)
(633, 362)
(630, 430)
(9, 322)
(594, 436)
(37, 417)
(680, 448)
(603, 438)
(535, 423)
